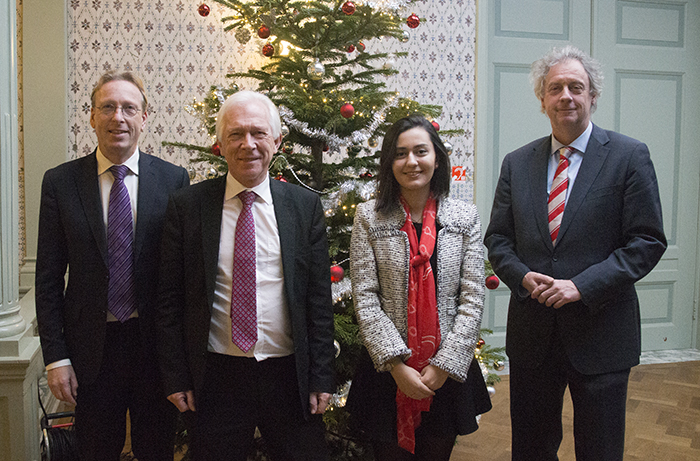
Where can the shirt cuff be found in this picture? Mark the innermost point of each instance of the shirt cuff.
(57, 364)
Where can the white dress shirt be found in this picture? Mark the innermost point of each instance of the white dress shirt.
(274, 324)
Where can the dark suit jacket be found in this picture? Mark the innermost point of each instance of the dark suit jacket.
(189, 260)
(72, 236)
(611, 236)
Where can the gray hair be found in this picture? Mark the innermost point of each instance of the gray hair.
(245, 96)
(541, 67)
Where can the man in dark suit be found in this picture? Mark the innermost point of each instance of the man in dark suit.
(247, 341)
(97, 333)
(573, 317)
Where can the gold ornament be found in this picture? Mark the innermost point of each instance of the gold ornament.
(242, 35)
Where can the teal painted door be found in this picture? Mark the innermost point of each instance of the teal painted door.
(650, 53)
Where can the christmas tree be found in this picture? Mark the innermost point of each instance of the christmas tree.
(334, 108)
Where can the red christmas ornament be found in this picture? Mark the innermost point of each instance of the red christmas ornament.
(264, 31)
(366, 174)
(204, 10)
(347, 110)
(268, 50)
(326, 148)
(350, 48)
(337, 274)
(280, 177)
(216, 150)
(436, 125)
(492, 282)
(481, 343)
(413, 21)
(348, 8)
(361, 47)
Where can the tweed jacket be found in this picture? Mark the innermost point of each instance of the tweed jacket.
(379, 270)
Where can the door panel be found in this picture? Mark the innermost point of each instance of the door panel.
(649, 51)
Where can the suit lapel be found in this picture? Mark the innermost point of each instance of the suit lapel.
(538, 187)
(88, 186)
(593, 159)
(211, 209)
(148, 185)
(288, 237)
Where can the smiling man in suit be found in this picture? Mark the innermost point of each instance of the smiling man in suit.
(100, 219)
(576, 221)
(245, 321)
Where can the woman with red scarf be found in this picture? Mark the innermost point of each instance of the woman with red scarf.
(417, 270)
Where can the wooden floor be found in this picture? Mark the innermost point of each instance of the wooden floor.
(663, 419)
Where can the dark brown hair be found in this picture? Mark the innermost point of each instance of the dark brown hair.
(388, 187)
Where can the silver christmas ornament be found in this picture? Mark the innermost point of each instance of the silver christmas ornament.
(405, 36)
(285, 130)
(372, 142)
(337, 348)
(448, 147)
(316, 70)
(211, 173)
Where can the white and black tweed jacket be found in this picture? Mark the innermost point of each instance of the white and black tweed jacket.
(379, 264)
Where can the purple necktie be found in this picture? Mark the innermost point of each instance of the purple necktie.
(244, 318)
(121, 290)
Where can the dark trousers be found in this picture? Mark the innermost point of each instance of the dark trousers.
(536, 399)
(128, 380)
(240, 394)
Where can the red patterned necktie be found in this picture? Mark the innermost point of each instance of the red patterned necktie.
(244, 325)
(557, 197)
(121, 288)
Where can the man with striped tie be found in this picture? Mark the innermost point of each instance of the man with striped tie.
(100, 220)
(576, 221)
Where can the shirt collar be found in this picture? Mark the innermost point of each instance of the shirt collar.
(579, 143)
(233, 188)
(103, 163)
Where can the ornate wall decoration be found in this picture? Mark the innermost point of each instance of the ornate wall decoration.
(180, 54)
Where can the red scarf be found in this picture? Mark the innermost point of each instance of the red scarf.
(423, 324)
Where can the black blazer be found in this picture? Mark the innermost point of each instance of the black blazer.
(611, 236)
(72, 318)
(189, 261)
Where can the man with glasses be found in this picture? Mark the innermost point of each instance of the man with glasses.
(576, 222)
(100, 220)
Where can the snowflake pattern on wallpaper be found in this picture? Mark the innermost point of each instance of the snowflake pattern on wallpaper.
(180, 54)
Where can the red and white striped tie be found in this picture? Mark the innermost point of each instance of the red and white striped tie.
(557, 197)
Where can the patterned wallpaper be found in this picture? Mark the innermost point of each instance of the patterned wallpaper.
(180, 54)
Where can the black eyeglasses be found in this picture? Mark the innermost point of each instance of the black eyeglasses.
(110, 109)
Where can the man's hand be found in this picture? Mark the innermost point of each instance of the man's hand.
(183, 400)
(433, 377)
(409, 380)
(561, 292)
(534, 282)
(549, 291)
(319, 401)
(63, 383)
